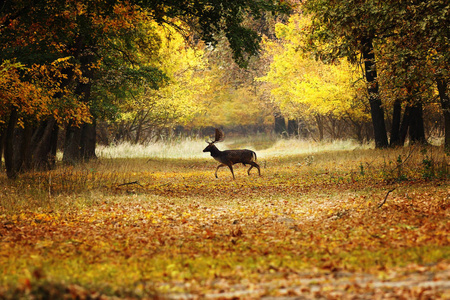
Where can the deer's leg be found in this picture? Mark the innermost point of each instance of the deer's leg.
(219, 166)
(253, 164)
(248, 171)
(231, 169)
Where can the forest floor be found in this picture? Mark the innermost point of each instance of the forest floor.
(361, 224)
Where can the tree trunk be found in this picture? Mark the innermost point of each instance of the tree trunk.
(72, 152)
(280, 124)
(88, 140)
(2, 142)
(405, 125)
(54, 145)
(11, 171)
(45, 151)
(76, 147)
(396, 120)
(445, 102)
(413, 123)
(80, 143)
(303, 128)
(416, 127)
(22, 148)
(18, 152)
(292, 127)
(320, 126)
(140, 120)
(357, 127)
(376, 110)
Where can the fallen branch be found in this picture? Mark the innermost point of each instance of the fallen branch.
(133, 182)
(385, 198)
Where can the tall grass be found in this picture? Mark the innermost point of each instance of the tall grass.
(266, 146)
(187, 148)
(69, 186)
(284, 147)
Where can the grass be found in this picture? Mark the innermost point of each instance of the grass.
(157, 222)
(267, 146)
(188, 148)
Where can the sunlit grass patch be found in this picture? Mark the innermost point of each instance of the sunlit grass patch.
(289, 174)
(293, 146)
(267, 146)
(187, 148)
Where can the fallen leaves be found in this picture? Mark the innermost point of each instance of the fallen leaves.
(182, 233)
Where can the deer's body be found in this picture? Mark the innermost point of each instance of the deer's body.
(231, 157)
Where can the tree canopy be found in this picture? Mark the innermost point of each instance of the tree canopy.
(314, 88)
(67, 65)
(95, 53)
(409, 38)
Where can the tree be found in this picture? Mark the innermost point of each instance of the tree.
(348, 29)
(351, 28)
(146, 110)
(27, 104)
(304, 87)
(46, 33)
(212, 19)
(90, 33)
(410, 65)
(429, 24)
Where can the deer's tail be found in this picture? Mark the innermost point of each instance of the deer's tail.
(254, 155)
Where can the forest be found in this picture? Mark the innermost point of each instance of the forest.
(105, 191)
(77, 74)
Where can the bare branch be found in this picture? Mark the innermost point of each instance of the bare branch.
(385, 198)
(129, 183)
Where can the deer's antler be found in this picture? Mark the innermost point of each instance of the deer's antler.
(219, 135)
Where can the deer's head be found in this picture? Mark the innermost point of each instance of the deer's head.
(218, 137)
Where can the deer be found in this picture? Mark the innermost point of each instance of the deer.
(230, 157)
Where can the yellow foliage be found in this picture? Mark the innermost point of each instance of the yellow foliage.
(25, 97)
(232, 106)
(189, 80)
(35, 99)
(303, 86)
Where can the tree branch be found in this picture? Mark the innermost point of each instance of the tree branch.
(133, 182)
(385, 198)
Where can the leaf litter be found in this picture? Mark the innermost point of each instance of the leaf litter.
(182, 234)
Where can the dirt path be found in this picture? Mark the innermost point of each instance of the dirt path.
(337, 285)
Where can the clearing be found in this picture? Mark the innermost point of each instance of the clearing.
(353, 224)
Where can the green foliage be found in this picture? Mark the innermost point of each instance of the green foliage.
(339, 28)
(361, 169)
(428, 171)
(412, 165)
(433, 166)
(213, 16)
(242, 49)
